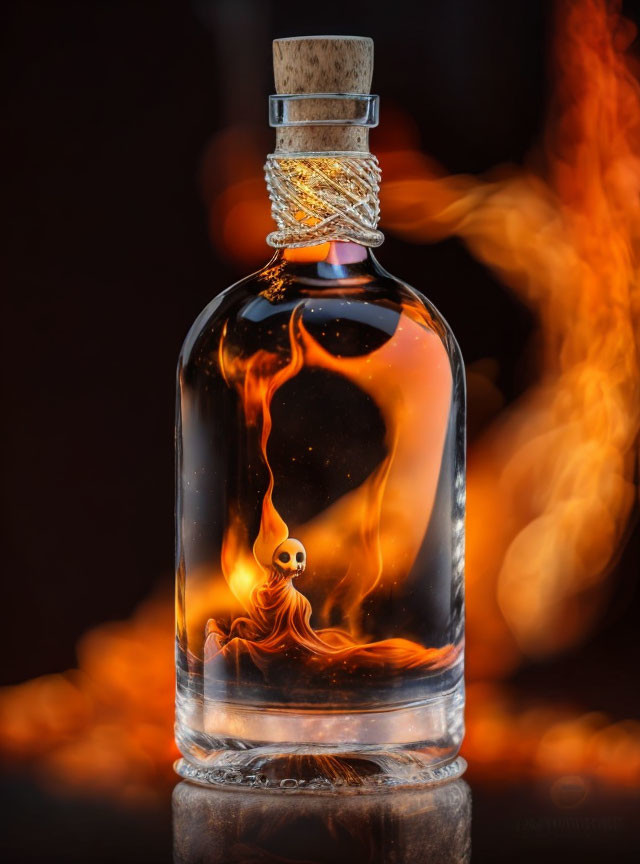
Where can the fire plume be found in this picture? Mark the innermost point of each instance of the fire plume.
(279, 615)
(551, 485)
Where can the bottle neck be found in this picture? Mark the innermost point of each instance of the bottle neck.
(324, 264)
(324, 198)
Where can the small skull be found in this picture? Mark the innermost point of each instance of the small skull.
(290, 558)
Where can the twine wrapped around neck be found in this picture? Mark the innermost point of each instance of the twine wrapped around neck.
(318, 197)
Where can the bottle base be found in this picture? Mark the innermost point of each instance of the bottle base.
(405, 746)
(358, 771)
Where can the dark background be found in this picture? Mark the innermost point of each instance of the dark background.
(109, 110)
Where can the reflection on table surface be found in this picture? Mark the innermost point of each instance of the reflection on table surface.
(213, 826)
(558, 820)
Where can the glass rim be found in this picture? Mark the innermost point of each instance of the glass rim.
(364, 109)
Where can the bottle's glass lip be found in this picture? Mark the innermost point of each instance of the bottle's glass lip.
(334, 109)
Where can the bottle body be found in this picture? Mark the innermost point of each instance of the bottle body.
(320, 532)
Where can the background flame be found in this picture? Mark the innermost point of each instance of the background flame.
(551, 486)
(551, 483)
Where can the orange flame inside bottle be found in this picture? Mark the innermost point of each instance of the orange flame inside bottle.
(383, 520)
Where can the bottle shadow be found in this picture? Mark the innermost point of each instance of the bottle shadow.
(213, 826)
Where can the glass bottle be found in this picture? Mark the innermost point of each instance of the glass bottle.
(320, 443)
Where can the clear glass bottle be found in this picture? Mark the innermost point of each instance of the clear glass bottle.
(320, 523)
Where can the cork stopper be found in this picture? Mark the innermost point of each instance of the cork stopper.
(322, 64)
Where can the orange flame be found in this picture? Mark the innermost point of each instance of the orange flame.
(551, 486)
(279, 616)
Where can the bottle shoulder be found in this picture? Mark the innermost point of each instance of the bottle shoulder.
(349, 310)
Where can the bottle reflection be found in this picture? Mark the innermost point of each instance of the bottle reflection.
(405, 827)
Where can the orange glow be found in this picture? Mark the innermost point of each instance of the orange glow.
(105, 727)
(233, 188)
(551, 483)
(382, 520)
(507, 741)
(308, 253)
(245, 221)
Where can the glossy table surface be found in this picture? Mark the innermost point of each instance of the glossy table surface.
(566, 819)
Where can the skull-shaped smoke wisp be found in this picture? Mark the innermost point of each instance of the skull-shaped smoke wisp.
(289, 559)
